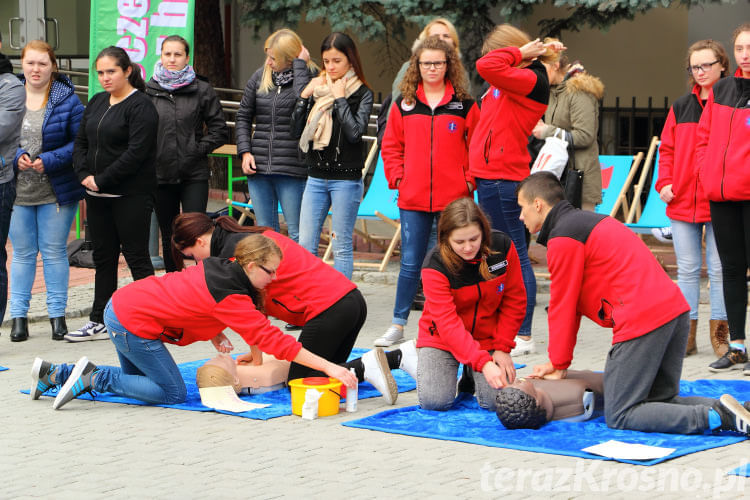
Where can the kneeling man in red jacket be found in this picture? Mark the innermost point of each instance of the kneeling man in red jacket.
(599, 268)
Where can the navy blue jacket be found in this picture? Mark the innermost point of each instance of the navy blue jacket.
(62, 117)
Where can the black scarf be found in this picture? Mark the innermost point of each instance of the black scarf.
(282, 77)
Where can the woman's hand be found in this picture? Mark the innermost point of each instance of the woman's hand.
(89, 183)
(304, 54)
(494, 375)
(254, 357)
(248, 164)
(539, 129)
(24, 162)
(38, 165)
(556, 46)
(665, 194)
(338, 88)
(532, 50)
(547, 371)
(342, 374)
(222, 343)
(505, 363)
(315, 82)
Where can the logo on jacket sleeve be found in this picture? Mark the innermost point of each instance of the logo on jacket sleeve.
(500, 288)
(495, 93)
(452, 126)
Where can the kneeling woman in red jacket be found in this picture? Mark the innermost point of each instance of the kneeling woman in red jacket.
(475, 303)
(182, 308)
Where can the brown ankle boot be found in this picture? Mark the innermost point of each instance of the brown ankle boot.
(691, 347)
(719, 336)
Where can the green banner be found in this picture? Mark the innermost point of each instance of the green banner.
(139, 27)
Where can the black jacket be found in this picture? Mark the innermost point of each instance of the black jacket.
(344, 157)
(117, 144)
(272, 144)
(181, 144)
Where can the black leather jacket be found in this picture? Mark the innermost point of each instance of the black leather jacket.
(344, 157)
(181, 143)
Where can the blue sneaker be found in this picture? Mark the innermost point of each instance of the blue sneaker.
(41, 378)
(79, 382)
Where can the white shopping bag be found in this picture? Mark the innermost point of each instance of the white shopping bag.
(553, 157)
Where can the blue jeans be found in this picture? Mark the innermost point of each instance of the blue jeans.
(687, 238)
(267, 191)
(499, 201)
(7, 197)
(343, 198)
(147, 371)
(416, 232)
(45, 229)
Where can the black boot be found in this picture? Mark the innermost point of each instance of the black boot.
(19, 331)
(59, 328)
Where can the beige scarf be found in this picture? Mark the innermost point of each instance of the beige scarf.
(320, 120)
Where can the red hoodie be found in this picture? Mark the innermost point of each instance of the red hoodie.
(197, 304)
(677, 160)
(723, 140)
(467, 315)
(511, 108)
(602, 270)
(425, 150)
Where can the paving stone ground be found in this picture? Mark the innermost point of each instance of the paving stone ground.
(104, 450)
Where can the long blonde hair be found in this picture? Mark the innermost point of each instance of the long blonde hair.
(215, 376)
(259, 249)
(506, 35)
(426, 32)
(286, 46)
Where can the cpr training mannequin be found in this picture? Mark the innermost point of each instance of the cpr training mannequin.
(529, 403)
(223, 370)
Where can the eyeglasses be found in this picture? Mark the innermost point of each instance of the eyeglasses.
(432, 64)
(268, 271)
(701, 67)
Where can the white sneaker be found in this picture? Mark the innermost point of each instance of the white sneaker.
(379, 375)
(90, 331)
(392, 336)
(409, 358)
(663, 234)
(523, 347)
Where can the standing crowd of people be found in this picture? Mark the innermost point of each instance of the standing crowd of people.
(142, 146)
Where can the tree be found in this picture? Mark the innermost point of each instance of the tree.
(386, 20)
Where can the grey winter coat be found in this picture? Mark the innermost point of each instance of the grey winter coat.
(273, 146)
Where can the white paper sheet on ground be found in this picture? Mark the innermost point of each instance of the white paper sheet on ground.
(628, 451)
(224, 398)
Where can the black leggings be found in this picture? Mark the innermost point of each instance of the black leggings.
(192, 195)
(731, 221)
(116, 224)
(332, 333)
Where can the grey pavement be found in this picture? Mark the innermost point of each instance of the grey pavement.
(103, 450)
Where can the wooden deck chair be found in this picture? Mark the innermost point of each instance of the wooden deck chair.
(635, 209)
(618, 172)
(654, 211)
(379, 203)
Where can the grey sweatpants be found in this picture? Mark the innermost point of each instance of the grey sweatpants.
(642, 383)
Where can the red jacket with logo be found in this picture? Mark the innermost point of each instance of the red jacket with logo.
(197, 304)
(677, 160)
(512, 106)
(723, 140)
(304, 287)
(425, 150)
(467, 315)
(602, 270)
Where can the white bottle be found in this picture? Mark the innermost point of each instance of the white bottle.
(351, 396)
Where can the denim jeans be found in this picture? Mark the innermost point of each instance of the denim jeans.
(343, 199)
(45, 229)
(687, 238)
(437, 374)
(147, 371)
(268, 191)
(7, 197)
(416, 232)
(499, 202)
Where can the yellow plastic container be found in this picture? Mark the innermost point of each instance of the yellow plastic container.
(328, 404)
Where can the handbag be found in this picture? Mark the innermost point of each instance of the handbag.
(553, 157)
(572, 179)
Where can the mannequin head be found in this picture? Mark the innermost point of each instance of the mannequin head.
(522, 406)
(218, 372)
